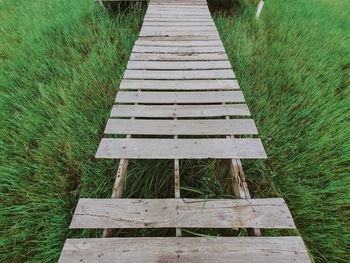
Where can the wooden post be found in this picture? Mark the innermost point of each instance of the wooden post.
(119, 183)
(240, 186)
(260, 6)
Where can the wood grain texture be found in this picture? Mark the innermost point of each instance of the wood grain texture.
(179, 111)
(164, 43)
(194, 97)
(187, 56)
(179, 65)
(180, 149)
(184, 213)
(186, 249)
(179, 84)
(155, 49)
(179, 74)
(181, 127)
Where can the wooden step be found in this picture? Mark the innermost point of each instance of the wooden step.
(181, 149)
(182, 65)
(179, 84)
(181, 127)
(186, 249)
(209, 43)
(179, 111)
(157, 49)
(186, 56)
(184, 213)
(179, 74)
(179, 97)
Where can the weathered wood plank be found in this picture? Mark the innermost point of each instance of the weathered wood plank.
(150, 33)
(179, 84)
(189, 213)
(179, 74)
(179, 111)
(178, 28)
(179, 24)
(154, 49)
(179, 97)
(181, 38)
(110, 148)
(181, 127)
(147, 42)
(185, 249)
(187, 56)
(184, 65)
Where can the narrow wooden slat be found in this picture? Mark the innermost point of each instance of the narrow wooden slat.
(179, 84)
(177, 28)
(181, 38)
(179, 56)
(184, 65)
(182, 213)
(180, 111)
(185, 249)
(179, 97)
(150, 33)
(180, 149)
(179, 74)
(181, 127)
(209, 43)
(166, 24)
(154, 49)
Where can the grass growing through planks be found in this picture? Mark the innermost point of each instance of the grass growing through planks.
(60, 68)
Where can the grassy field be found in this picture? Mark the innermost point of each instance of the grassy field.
(60, 67)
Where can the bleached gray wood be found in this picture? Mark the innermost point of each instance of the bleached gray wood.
(150, 33)
(182, 213)
(179, 74)
(147, 42)
(184, 65)
(181, 127)
(185, 249)
(179, 97)
(179, 24)
(154, 49)
(180, 111)
(110, 148)
(187, 56)
(179, 84)
(181, 38)
(181, 29)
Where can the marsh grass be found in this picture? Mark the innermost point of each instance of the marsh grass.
(61, 65)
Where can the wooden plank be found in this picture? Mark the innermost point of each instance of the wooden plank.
(147, 42)
(181, 127)
(179, 111)
(181, 38)
(177, 28)
(110, 148)
(185, 249)
(183, 213)
(150, 33)
(179, 24)
(179, 56)
(179, 84)
(179, 97)
(225, 64)
(154, 49)
(179, 74)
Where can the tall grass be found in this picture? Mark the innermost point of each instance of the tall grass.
(61, 64)
(293, 66)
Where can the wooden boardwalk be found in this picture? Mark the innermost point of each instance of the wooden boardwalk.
(181, 99)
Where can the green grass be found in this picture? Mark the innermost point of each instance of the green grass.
(60, 67)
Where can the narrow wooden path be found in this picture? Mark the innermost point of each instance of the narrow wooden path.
(180, 100)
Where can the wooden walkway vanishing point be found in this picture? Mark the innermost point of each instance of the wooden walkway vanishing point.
(180, 83)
